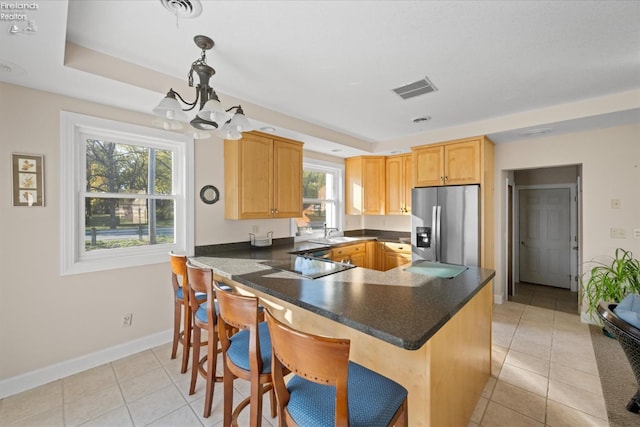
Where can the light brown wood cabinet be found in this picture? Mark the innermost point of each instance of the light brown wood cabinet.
(452, 163)
(365, 185)
(263, 177)
(398, 184)
(355, 254)
(463, 161)
(396, 254)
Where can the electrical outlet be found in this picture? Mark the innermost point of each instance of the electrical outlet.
(615, 203)
(618, 233)
(127, 319)
(255, 229)
(636, 233)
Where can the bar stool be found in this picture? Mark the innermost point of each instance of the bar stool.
(205, 314)
(180, 283)
(246, 350)
(326, 388)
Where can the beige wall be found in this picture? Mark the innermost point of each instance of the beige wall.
(46, 319)
(610, 160)
(545, 176)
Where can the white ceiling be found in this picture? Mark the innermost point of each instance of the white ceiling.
(334, 63)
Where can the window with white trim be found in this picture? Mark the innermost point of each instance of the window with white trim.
(322, 198)
(126, 195)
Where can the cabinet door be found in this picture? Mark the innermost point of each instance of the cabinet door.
(358, 259)
(373, 179)
(353, 186)
(256, 177)
(371, 260)
(395, 259)
(428, 166)
(395, 186)
(407, 177)
(462, 163)
(287, 182)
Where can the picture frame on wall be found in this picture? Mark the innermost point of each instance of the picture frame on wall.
(27, 172)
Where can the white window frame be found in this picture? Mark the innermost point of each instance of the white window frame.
(74, 128)
(338, 171)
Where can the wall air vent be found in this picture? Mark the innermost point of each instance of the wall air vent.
(411, 90)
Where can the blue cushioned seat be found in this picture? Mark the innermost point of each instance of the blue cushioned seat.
(200, 296)
(373, 399)
(238, 351)
(629, 310)
(201, 313)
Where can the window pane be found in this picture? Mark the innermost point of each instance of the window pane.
(314, 185)
(118, 223)
(123, 168)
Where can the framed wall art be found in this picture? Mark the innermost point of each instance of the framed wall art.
(28, 179)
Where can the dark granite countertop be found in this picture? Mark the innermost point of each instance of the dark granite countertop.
(396, 306)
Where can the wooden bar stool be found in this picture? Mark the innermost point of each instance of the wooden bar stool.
(246, 349)
(326, 388)
(181, 309)
(205, 315)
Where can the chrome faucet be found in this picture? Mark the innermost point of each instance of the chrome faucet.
(328, 230)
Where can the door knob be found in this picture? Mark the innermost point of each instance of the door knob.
(523, 243)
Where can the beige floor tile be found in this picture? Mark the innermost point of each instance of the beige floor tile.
(524, 379)
(51, 418)
(576, 378)
(156, 405)
(134, 365)
(488, 388)
(138, 386)
(31, 402)
(92, 405)
(522, 344)
(87, 382)
(559, 415)
(497, 415)
(498, 354)
(577, 398)
(117, 417)
(530, 363)
(478, 411)
(576, 359)
(501, 340)
(521, 401)
(183, 417)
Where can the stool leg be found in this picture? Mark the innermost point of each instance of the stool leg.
(228, 393)
(177, 312)
(212, 358)
(256, 403)
(195, 363)
(186, 339)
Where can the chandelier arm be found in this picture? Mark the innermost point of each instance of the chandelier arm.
(192, 104)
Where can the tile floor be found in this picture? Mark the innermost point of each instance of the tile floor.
(544, 373)
(546, 297)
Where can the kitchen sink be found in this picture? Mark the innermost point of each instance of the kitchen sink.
(334, 240)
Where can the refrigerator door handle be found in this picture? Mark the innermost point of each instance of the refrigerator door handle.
(436, 232)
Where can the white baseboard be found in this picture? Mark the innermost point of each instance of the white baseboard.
(498, 299)
(54, 372)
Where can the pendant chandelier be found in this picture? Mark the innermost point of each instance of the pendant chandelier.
(211, 114)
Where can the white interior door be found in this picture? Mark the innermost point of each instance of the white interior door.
(545, 236)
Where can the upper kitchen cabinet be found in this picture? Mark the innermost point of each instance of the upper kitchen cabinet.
(365, 185)
(398, 185)
(451, 163)
(263, 177)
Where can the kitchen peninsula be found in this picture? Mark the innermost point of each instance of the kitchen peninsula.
(432, 335)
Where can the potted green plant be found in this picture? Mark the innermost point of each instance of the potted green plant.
(611, 282)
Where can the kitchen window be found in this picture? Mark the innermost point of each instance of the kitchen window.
(321, 198)
(126, 196)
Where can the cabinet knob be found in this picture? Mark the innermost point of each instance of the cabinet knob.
(446, 178)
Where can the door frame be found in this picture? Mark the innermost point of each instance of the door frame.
(573, 257)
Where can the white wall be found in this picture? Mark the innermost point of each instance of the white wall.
(610, 160)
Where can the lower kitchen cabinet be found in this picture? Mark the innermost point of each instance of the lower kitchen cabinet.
(396, 254)
(354, 254)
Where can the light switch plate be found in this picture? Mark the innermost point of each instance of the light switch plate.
(636, 233)
(618, 233)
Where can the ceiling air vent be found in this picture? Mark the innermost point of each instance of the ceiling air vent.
(183, 8)
(414, 89)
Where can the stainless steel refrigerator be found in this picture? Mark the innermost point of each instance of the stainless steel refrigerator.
(445, 224)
